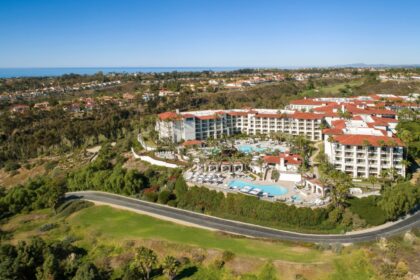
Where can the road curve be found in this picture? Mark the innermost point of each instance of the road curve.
(240, 228)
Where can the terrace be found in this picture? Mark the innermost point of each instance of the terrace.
(239, 166)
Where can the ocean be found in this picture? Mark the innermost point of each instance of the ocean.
(44, 72)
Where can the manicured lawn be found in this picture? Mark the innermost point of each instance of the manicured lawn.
(333, 89)
(113, 224)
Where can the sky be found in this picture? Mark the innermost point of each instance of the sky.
(214, 33)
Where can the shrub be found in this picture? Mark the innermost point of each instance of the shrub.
(150, 196)
(72, 206)
(172, 203)
(47, 227)
(399, 199)
(164, 196)
(11, 166)
(218, 264)
(227, 256)
(50, 165)
(367, 209)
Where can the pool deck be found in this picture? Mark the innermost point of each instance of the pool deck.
(305, 198)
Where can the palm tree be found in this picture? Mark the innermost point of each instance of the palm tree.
(407, 138)
(384, 176)
(341, 185)
(146, 259)
(373, 180)
(170, 267)
(406, 163)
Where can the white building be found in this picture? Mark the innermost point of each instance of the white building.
(364, 149)
(201, 125)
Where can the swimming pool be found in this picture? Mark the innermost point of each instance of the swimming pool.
(271, 189)
(250, 149)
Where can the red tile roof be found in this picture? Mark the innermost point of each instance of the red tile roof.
(188, 115)
(383, 121)
(332, 131)
(208, 117)
(306, 116)
(292, 159)
(359, 140)
(358, 111)
(262, 115)
(272, 159)
(237, 113)
(192, 143)
(339, 124)
(168, 116)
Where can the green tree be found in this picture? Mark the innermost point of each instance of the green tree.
(268, 272)
(87, 271)
(341, 183)
(170, 267)
(50, 268)
(180, 186)
(399, 199)
(145, 259)
(372, 180)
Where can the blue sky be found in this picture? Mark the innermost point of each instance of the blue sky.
(179, 33)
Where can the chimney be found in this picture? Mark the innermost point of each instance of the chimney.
(343, 109)
(177, 111)
(389, 133)
(282, 162)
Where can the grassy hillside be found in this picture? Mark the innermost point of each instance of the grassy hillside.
(110, 237)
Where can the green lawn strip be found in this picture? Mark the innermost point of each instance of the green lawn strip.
(113, 224)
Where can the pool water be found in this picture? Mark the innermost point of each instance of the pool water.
(247, 149)
(296, 198)
(271, 189)
(250, 149)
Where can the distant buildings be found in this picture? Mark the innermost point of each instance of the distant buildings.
(19, 108)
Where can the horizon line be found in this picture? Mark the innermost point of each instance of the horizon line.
(239, 67)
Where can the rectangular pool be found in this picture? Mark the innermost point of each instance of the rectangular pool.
(271, 189)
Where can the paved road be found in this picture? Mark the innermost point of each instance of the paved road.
(243, 228)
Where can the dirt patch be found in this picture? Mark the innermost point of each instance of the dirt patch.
(134, 164)
(94, 150)
(240, 265)
(300, 249)
(7, 181)
(289, 271)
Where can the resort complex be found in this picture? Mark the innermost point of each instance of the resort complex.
(356, 135)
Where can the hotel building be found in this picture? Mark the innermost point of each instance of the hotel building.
(360, 138)
(202, 125)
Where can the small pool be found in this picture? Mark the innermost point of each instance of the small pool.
(271, 189)
(296, 198)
